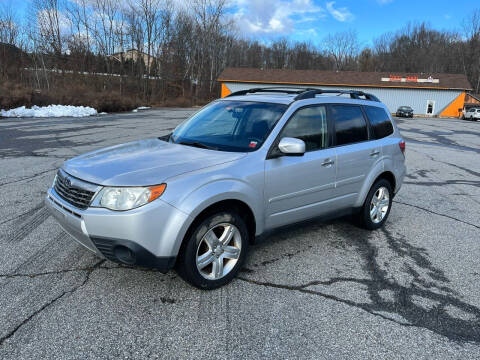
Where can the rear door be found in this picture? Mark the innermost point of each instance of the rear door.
(301, 187)
(357, 154)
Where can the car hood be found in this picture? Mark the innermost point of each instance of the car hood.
(144, 162)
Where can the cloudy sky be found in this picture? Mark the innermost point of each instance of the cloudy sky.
(312, 20)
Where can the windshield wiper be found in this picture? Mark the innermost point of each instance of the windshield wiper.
(165, 137)
(197, 144)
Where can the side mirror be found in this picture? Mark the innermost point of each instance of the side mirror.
(291, 146)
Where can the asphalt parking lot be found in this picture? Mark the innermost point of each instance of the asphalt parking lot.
(322, 290)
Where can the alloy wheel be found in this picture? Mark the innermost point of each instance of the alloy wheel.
(218, 251)
(379, 204)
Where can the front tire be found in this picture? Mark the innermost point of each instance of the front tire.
(215, 250)
(377, 205)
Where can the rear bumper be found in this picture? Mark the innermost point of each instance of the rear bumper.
(148, 236)
(399, 177)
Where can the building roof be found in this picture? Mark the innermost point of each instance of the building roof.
(475, 96)
(346, 78)
(127, 51)
(10, 48)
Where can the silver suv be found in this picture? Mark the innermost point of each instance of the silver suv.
(240, 167)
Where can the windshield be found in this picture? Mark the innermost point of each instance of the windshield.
(405, 108)
(230, 126)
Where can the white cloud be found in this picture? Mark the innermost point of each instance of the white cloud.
(264, 17)
(309, 32)
(341, 14)
(46, 20)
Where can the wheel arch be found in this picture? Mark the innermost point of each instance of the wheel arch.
(239, 206)
(236, 205)
(390, 177)
(372, 179)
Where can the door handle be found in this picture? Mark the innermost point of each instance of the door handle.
(374, 153)
(328, 162)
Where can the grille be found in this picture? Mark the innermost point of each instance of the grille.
(106, 248)
(73, 194)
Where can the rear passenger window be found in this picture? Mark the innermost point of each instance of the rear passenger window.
(379, 121)
(350, 125)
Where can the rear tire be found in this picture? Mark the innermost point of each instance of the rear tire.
(377, 205)
(215, 250)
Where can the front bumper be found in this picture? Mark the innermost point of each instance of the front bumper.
(148, 236)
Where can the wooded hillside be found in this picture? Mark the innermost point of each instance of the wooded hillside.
(116, 55)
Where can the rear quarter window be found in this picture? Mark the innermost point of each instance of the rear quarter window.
(379, 121)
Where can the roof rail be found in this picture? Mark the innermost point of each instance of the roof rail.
(306, 93)
(354, 94)
(276, 89)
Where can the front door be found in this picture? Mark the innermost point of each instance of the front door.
(301, 187)
(430, 107)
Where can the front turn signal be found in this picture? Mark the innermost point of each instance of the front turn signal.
(156, 191)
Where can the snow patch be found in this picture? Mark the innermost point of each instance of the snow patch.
(49, 111)
(141, 108)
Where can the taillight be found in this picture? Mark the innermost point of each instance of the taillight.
(401, 144)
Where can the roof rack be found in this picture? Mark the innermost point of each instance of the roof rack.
(306, 93)
(354, 94)
(276, 89)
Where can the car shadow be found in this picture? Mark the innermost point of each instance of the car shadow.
(426, 301)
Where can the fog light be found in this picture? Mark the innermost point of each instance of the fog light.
(125, 255)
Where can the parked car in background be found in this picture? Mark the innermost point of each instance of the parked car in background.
(471, 114)
(242, 166)
(404, 111)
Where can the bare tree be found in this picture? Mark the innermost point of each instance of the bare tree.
(210, 26)
(279, 54)
(343, 47)
(48, 13)
(9, 27)
(149, 13)
(80, 43)
(179, 51)
(471, 48)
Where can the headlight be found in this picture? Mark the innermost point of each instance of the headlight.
(126, 198)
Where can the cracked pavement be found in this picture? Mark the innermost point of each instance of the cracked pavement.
(323, 289)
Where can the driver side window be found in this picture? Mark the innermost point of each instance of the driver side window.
(310, 125)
